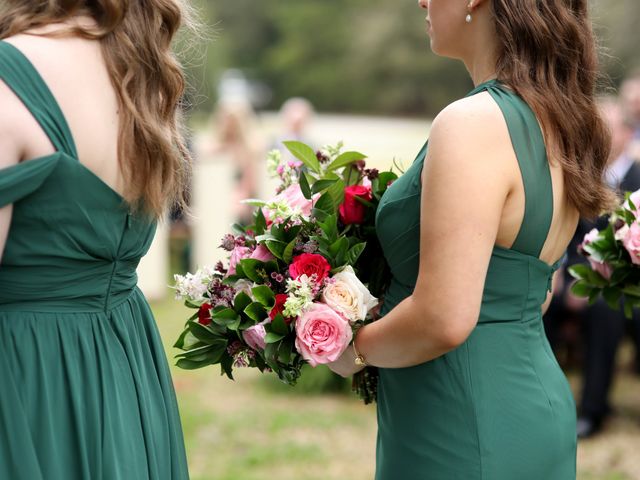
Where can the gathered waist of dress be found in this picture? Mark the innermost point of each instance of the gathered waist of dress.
(64, 290)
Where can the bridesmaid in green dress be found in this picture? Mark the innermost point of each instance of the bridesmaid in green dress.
(90, 157)
(469, 388)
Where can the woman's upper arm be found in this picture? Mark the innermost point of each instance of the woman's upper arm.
(466, 179)
(10, 152)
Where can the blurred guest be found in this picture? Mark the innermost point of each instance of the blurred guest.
(296, 114)
(235, 137)
(603, 328)
(630, 95)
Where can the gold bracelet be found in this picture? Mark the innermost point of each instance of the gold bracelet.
(359, 360)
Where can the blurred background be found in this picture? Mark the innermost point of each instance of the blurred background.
(361, 72)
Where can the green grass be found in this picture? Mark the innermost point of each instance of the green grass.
(257, 429)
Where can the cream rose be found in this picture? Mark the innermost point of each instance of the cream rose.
(347, 295)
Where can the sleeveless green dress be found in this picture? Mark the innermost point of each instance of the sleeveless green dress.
(85, 389)
(498, 407)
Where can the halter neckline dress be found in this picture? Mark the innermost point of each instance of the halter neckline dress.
(498, 407)
(86, 391)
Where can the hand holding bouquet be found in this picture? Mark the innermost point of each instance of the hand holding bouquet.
(289, 293)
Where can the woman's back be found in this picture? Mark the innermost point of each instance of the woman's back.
(86, 390)
(484, 409)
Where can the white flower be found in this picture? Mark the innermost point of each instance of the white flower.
(244, 286)
(193, 286)
(301, 294)
(347, 295)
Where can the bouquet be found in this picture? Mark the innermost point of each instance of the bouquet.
(300, 280)
(613, 253)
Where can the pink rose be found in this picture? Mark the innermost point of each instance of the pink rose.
(262, 253)
(309, 264)
(238, 253)
(321, 334)
(631, 242)
(254, 336)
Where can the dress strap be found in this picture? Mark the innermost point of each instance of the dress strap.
(529, 146)
(28, 85)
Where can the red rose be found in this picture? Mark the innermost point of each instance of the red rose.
(309, 264)
(281, 299)
(204, 314)
(351, 210)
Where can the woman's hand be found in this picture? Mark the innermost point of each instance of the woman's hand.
(345, 366)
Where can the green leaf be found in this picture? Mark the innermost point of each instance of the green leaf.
(273, 337)
(321, 185)
(279, 326)
(203, 333)
(579, 271)
(337, 194)
(241, 302)
(633, 290)
(276, 248)
(345, 159)
(354, 253)
(189, 304)
(325, 203)
(339, 247)
(612, 297)
(250, 267)
(581, 289)
(190, 365)
(628, 310)
(196, 354)
(304, 186)
(329, 227)
(285, 351)
(226, 366)
(260, 222)
(256, 312)
(287, 255)
(594, 295)
(305, 154)
(264, 295)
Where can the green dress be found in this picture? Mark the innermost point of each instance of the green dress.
(85, 388)
(498, 407)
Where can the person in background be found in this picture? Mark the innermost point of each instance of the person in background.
(236, 139)
(296, 113)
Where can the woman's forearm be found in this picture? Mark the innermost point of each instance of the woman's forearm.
(408, 335)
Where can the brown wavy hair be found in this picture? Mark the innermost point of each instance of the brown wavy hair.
(548, 54)
(135, 38)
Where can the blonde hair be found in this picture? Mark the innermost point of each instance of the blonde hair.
(135, 38)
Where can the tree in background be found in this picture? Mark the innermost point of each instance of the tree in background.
(359, 56)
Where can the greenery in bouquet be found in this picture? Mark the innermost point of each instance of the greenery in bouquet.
(300, 280)
(613, 271)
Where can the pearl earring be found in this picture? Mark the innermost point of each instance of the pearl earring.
(468, 19)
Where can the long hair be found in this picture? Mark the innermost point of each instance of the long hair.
(135, 38)
(547, 53)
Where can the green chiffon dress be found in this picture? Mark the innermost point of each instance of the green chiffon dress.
(498, 407)
(85, 388)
